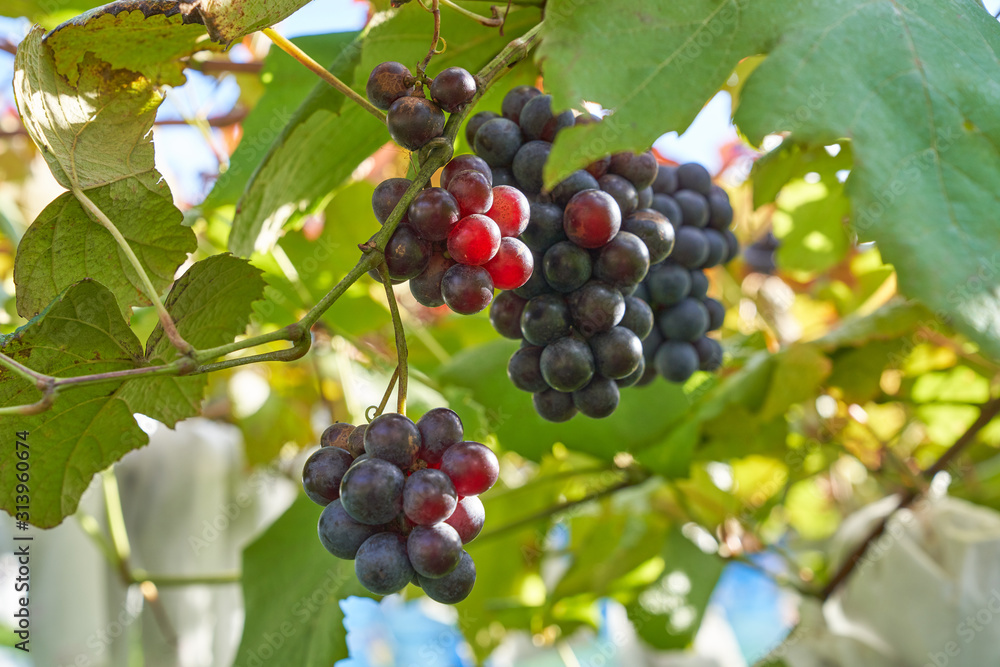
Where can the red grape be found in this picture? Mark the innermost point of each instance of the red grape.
(512, 265)
(592, 218)
(472, 467)
(472, 190)
(432, 213)
(474, 240)
(510, 210)
(461, 163)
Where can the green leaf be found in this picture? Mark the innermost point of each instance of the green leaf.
(286, 84)
(668, 613)
(797, 375)
(64, 245)
(230, 20)
(88, 428)
(49, 13)
(918, 112)
(810, 222)
(895, 319)
(792, 161)
(148, 38)
(653, 63)
(211, 304)
(295, 178)
(292, 587)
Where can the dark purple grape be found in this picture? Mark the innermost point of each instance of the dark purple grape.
(699, 284)
(717, 248)
(356, 443)
(432, 213)
(426, 286)
(387, 194)
(640, 168)
(453, 88)
(694, 207)
(505, 314)
(538, 122)
(655, 231)
(372, 491)
(720, 211)
(382, 565)
(577, 182)
(413, 121)
(595, 307)
(566, 266)
(693, 176)
(598, 399)
(340, 534)
(453, 587)
(465, 162)
(709, 353)
(638, 317)
(498, 141)
(667, 206)
(645, 198)
(690, 247)
(616, 352)
(524, 370)
(505, 176)
(622, 191)
(623, 261)
(468, 518)
(676, 360)
(388, 82)
(475, 123)
(434, 551)
(394, 438)
(428, 497)
(439, 428)
(406, 253)
(515, 99)
(535, 285)
(545, 319)
(668, 283)
(666, 180)
(528, 165)
(467, 289)
(337, 435)
(567, 364)
(635, 377)
(545, 227)
(733, 246)
(322, 473)
(687, 321)
(716, 314)
(554, 406)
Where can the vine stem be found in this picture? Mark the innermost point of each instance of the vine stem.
(494, 22)
(288, 47)
(399, 335)
(167, 322)
(431, 158)
(385, 395)
(436, 11)
(986, 414)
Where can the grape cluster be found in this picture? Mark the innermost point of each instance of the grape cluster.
(401, 500)
(412, 119)
(677, 287)
(592, 239)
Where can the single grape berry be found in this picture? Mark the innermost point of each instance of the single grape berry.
(676, 360)
(655, 231)
(474, 240)
(635, 377)
(322, 473)
(473, 192)
(387, 194)
(498, 141)
(575, 183)
(566, 266)
(666, 180)
(720, 211)
(439, 428)
(598, 399)
(510, 210)
(624, 260)
(591, 219)
(428, 497)
(688, 320)
(616, 352)
(567, 364)
(595, 307)
(505, 314)
(434, 551)
(356, 443)
(538, 122)
(667, 206)
(432, 213)
(382, 565)
(716, 314)
(638, 317)
(472, 467)
(461, 163)
(524, 369)
(426, 286)
(709, 353)
(340, 534)
(475, 123)
(690, 247)
(545, 227)
(733, 245)
(467, 289)
(394, 438)
(515, 99)
(554, 406)
(668, 283)
(511, 266)
(694, 207)
(645, 198)
(453, 587)
(699, 284)
(545, 319)
(504, 176)
(372, 491)
(622, 191)
(388, 82)
(453, 88)
(406, 253)
(717, 248)
(693, 176)
(413, 121)
(529, 161)
(468, 518)
(337, 435)
(640, 168)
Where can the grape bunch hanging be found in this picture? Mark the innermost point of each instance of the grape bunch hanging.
(401, 500)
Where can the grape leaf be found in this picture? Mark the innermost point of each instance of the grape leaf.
(64, 245)
(87, 428)
(292, 586)
(230, 20)
(46, 12)
(211, 304)
(919, 111)
(297, 175)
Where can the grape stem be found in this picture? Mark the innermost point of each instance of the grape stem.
(496, 21)
(436, 11)
(399, 335)
(385, 396)
(288, 47)
(432, 157)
